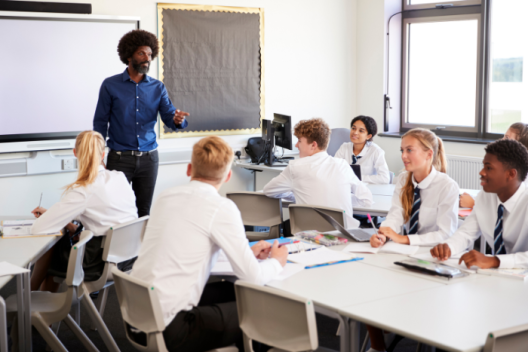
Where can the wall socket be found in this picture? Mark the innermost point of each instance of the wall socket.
(69, 164)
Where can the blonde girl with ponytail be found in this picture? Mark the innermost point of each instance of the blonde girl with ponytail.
(424, 208)
(97, 200)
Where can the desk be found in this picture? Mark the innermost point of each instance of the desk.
(23, 252)
(380, 207)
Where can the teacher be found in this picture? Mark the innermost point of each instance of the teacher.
(127, 111)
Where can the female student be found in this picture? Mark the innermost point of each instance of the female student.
(425, 201)
(518, 132)
(362, 151)
(98, 198)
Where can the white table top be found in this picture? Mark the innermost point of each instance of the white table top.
(380, 207)
(453, 317)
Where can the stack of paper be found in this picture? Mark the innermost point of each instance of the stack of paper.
(17, 228)
(389, 247)
(321, 256)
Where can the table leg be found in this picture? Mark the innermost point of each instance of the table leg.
(20, 312)
(27, 310)
(344, 331)
(3, 326)
(255, 183)
(354, 335)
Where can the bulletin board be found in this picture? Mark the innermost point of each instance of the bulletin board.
(212, 64)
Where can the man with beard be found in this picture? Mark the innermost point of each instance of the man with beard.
(127, 110)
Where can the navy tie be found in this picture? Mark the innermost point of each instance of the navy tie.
(413, 224)
(355, 159)
(498, 245)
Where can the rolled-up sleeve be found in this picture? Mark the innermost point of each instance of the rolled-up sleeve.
(167, 111)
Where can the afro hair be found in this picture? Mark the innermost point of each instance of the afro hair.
(511, 154)
(133, 40)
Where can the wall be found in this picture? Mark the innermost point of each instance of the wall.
(310, 69)
(372, 16)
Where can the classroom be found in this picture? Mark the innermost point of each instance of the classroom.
(263, 175)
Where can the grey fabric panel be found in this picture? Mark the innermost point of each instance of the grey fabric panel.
(212, 68)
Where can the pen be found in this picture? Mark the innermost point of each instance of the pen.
(372, 222)
(40, 203)
(285, 243)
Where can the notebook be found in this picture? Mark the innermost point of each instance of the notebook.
(321, 256)
(389, 247)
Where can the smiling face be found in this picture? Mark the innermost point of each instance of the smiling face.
(141, 59)
(414, 157)
(359, 133)
(494, 176)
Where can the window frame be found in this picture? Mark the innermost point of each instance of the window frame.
(432, 4)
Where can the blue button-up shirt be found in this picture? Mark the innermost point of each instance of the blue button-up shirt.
(128, 111)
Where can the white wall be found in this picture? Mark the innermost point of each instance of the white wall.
(372, 17)
(310, 70)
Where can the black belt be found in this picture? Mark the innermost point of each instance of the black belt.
(134, 152)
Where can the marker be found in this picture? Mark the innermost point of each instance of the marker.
(372, 222)
(285, 243)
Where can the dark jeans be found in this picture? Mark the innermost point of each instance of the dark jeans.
(213, 324)
(141, 171)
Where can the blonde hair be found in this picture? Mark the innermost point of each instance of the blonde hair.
(89, 147)
(429, 141)
(211, 159)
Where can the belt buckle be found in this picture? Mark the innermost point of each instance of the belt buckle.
(138, 153)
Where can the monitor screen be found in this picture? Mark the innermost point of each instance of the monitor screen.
(283, 131)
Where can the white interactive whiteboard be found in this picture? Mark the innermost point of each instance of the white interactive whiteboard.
(52, 69)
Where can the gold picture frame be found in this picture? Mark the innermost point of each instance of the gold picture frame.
(211, 8)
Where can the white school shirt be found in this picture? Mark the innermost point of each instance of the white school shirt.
(438, 218)
(187, 228)
(483, 219)
(321, 180)
(108, 201)
(374, 168)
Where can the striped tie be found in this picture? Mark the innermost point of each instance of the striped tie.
(355, 159)
(413, 224)
(498, 245)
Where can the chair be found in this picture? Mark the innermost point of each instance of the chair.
(141, 309)
(507, 340)
(3, 326)
(289, 326)
(304, 217)
(48, 308)
(121, 243)
(337, 138)
(257, 209)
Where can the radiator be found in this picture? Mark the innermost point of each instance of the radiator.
(465, 171)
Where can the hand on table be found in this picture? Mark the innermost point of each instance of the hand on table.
(179, 117)
(38, 211)
(466, 201)
(389, 233)
(261, 250)
(279, 253)
(475, 258)
(441, 252)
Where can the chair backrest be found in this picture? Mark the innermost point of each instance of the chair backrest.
(507, 340)
(276, 318)
(257, 209)
(75, 272)
(122, 241)
(139, 303)
(304, 217)
(337, 138)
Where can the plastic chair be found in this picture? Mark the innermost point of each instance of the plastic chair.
(507, 340)
(257, 209)
(48, 308)
(304, 217)
(121, 243)
(3, 326)
(141, 309)
(289, 326)
(337, 138)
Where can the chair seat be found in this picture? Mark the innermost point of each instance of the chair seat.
(40, 301)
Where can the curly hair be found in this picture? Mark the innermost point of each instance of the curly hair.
(512, 154)
(370, 124)
(133, 40)
(315, 129)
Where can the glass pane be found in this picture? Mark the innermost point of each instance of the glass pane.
(420, 2)
(442, 73)
(507, 90)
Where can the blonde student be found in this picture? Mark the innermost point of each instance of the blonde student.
(500, 212)
(98, 199)
(177, 258)
(363, 151)
(318, 179)
(517, 132)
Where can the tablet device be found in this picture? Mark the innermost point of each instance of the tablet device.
(357, 170)
(360, 235)
(431, 268)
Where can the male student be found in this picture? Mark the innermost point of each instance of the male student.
(177, 257)
(500, 212)
(317, 178)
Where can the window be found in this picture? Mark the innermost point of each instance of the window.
(463, 66)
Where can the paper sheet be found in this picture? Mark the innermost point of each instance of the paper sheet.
(452, 262)
(289, 270)
(389, 247)
(18, 222)
(301, 246)
(11, 269)
(319, 256)
(360, 247)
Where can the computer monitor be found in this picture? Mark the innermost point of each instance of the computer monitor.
(283, 131)
(267, 132)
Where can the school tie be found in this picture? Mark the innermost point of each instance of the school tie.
(355, 159)
(413, 225)
(498, 245)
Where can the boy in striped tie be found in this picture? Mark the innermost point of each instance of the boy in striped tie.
(500, 212)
